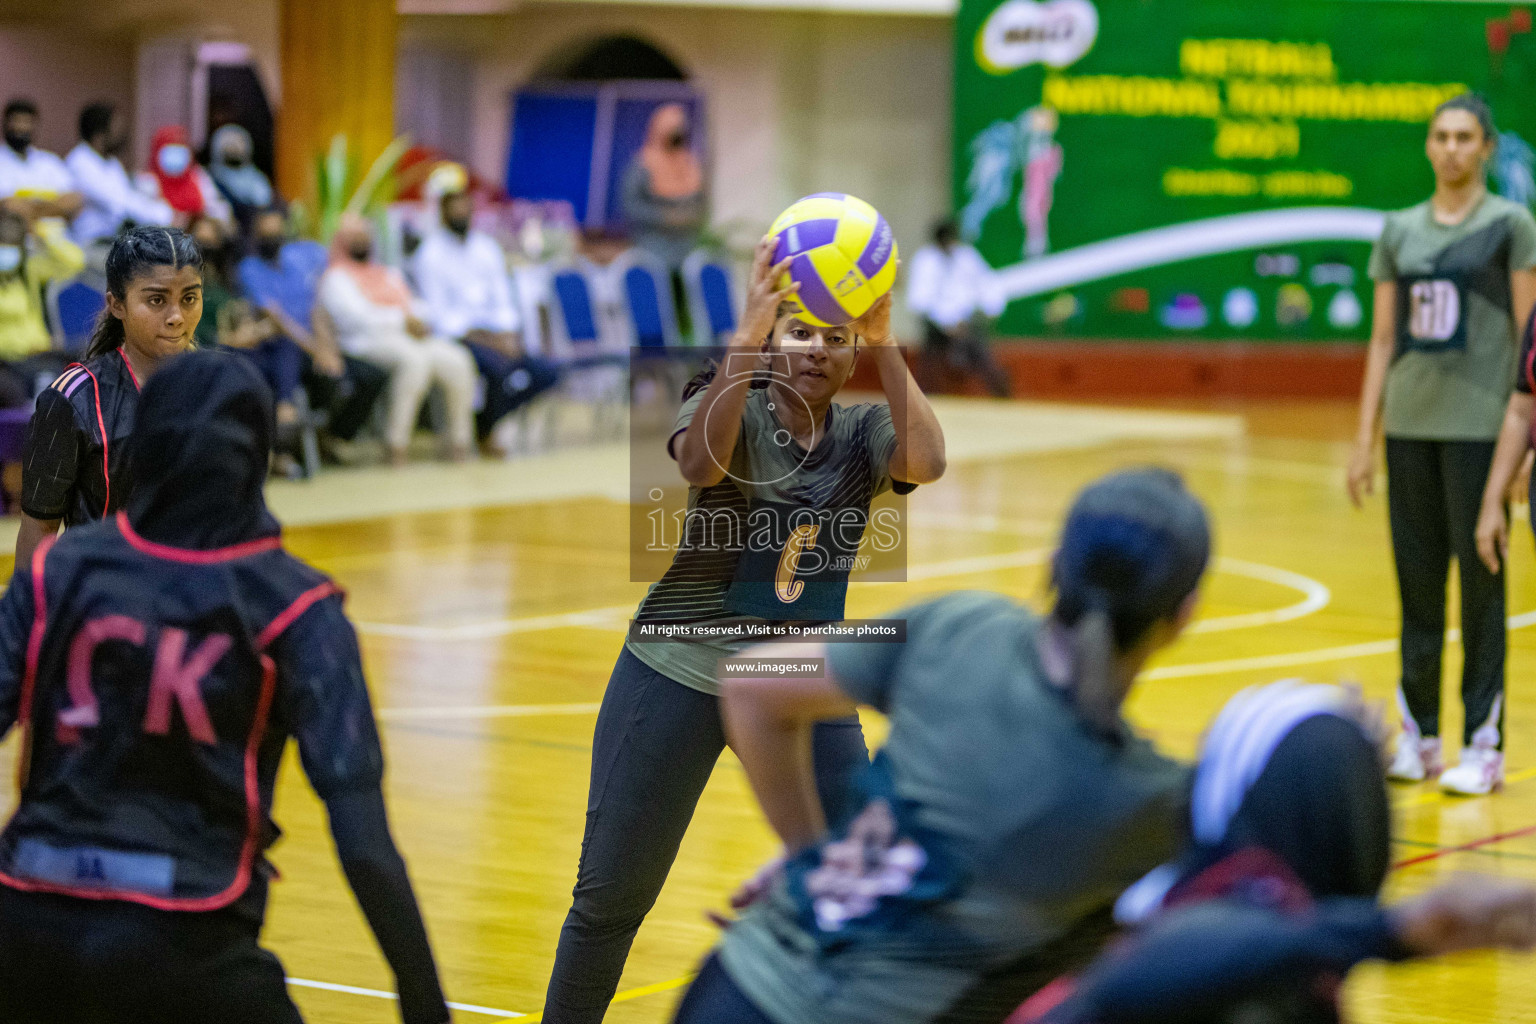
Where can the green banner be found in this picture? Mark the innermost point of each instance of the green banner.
(1211, 168)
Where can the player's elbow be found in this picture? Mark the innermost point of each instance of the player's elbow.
(698, 468)
(922, 468)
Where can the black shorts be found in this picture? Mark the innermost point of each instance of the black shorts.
(74, 961)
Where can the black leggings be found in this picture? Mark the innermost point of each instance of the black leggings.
(73, 961)
(656, 744)
(1434, 492)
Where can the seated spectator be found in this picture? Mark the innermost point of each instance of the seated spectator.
(228, 320)
(663, 192)
(184, 186)
(467, 292)
(377, 320)
(954, 291)
(240, 180)
(281, 280)
(111, 200)
(30, 175)
(31, 255)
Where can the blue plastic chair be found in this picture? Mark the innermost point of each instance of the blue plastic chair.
(73, 308)
(647, 288)
(711, 297)
(577, 311)
(589, 374)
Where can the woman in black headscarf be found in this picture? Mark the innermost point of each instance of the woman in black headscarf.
(156, 664)
(1276, 898)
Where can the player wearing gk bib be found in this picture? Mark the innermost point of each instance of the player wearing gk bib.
(157, 663)
(74, 465)
(1010, 804)
(1454, 277)
(781, 481)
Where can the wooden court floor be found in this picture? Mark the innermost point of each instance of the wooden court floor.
(489, 634)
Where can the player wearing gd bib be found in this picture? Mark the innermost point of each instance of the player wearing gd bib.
(1454, 276)
(779, 475)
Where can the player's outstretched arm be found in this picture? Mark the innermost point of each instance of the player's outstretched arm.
(376, 872)
(324, 698)
(1213, 956)
(919, 455)
(704, 450)
(768, 722)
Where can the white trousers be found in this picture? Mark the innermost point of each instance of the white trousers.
(415, 364)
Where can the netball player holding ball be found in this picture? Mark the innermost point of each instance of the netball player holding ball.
(762, 438)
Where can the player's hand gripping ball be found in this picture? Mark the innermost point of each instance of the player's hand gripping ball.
(842, 256)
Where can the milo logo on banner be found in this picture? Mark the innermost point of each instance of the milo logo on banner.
(1021, 32)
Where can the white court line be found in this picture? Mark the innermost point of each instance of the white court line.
(596, 618)
(353, 990)
(488, 711)
(1321, 654)
(1315, 595)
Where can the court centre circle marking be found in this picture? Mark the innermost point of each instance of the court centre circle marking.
(1315, 595)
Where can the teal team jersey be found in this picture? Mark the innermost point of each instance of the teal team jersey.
(774, 540)
(995, 820)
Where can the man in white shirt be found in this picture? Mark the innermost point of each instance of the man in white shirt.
(461, 275)
(955, 292)
(111, 200)
(30, 177)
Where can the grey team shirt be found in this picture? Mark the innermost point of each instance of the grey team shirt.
(1047, 819)
(1460, 394)
(851, 461)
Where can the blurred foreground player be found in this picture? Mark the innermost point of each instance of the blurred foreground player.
(157, 663)
(1009, 807)
(1276, 898)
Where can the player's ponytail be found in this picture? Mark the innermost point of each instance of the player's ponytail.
(137, 252)
(1133, 549)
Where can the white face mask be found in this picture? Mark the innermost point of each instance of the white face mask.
(10, 258)
(174, 160)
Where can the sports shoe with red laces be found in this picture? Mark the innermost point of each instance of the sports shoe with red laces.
(1480, 772)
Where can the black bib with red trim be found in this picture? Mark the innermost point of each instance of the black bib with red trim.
(151, 752)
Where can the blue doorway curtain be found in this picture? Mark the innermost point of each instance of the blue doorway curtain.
(575, 140)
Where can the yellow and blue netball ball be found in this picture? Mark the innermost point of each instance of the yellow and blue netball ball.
(844, 257)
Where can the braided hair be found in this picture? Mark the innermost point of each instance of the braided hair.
(135, 253)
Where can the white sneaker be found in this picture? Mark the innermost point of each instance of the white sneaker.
(1416, 760)
(1481, 771)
